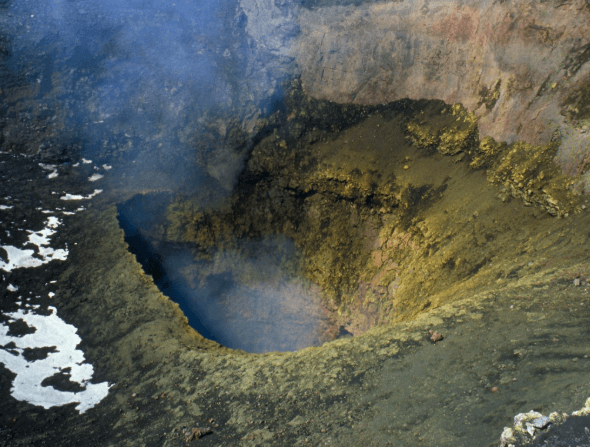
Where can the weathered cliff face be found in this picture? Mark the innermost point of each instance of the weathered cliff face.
(521, 66)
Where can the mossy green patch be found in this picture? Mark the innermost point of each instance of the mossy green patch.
(490, 95)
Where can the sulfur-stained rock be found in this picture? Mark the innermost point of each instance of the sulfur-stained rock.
(455, 131)
(379, 238)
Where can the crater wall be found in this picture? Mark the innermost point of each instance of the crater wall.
(521, 66)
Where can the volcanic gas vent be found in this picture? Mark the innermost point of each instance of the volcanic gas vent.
(247, 296)
(347, 217)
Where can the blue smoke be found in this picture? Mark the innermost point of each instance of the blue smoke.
(134, 77)
(148, 85)
(243, 299)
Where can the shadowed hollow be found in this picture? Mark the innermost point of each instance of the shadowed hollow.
(347, 217)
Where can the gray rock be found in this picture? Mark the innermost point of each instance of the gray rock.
(541, 422)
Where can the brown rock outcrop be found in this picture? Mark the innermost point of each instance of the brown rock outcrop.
(521, 66)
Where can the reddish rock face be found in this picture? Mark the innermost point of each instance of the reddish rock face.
(517, 65)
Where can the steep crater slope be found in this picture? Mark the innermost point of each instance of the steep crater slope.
(393, 210)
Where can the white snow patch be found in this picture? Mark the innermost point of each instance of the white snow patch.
(95, 177)
(86, 161)
(12, 288)
(106, 167)
(72, 197)
(18, 258)
(48, 167)
(5, 207)
(78, 197)
(51, 294)
(51, 331)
